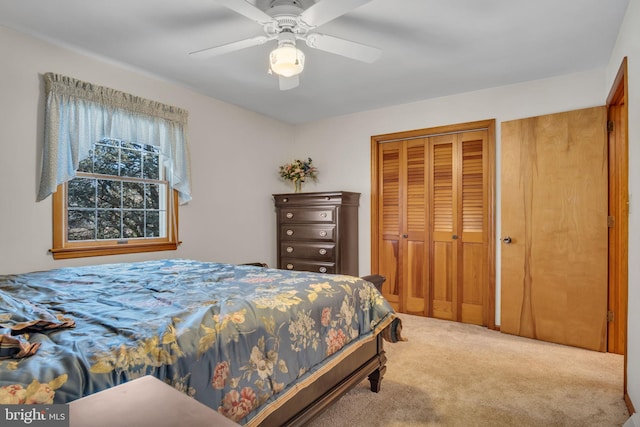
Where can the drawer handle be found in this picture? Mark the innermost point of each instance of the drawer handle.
(322, 269)
(285, 200)
(289, 249)
(289, 232)
(289, 266)
(289, 215)
(323, 251)
(323, 233)
(323, 215)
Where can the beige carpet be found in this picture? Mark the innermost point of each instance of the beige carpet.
(454, 374)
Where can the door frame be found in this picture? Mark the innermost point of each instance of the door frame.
(489, 294)
(618, 142)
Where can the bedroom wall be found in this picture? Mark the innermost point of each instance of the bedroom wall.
(628, 44)
(231, 216)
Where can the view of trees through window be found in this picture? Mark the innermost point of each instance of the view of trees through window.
(119, 193)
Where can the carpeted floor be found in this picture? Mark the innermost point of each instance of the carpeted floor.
(454, 374)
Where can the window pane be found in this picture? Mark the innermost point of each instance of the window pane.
(109, 193)
(152, 194)
(151, 166)
(82, 193)
(81, 225)
(108, 224)
(153, 225)
(132, 195)
(106, 160)
(131, 163)
(133, 224)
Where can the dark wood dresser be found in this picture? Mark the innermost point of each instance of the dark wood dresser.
(318, 231)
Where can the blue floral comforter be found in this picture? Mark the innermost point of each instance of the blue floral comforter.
(233, 337)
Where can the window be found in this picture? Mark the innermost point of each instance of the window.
(119, 202)
(117, 166)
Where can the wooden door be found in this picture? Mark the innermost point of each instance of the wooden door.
(459, 221)
(402, 240)
(554, 210)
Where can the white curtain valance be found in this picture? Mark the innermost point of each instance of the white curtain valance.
(78, 114)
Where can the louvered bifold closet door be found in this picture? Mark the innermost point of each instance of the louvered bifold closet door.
(432, 221)
(415, 243)
(403, 245)
(444, 205)
(459, 224)
(473, 225)
(390, 169)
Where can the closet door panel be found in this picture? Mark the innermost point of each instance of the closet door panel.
(443, 296)
(472, 221)
(390, 170)
(388, 267)
(415, 230)
(473, 279)
(444, 228)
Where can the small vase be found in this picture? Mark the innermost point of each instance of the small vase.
(297, 186)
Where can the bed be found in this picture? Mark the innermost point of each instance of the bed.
(261, 346)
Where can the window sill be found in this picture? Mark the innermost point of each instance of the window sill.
(90, 251)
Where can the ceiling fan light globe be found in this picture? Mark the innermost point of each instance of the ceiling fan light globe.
(286, 61)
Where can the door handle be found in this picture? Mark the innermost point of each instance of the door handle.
(506, 240)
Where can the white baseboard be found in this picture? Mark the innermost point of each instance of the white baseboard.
(633, 421)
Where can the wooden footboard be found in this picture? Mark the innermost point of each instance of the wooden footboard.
(367, 361)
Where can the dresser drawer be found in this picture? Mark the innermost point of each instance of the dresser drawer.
(314, 251)
(300, 215)
(307, 232)
(306, 265)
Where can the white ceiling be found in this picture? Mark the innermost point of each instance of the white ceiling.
(431, 48)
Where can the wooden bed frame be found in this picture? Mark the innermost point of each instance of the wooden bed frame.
(367, 361)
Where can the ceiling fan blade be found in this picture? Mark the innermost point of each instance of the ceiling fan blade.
(287, 83)
(229, 47)
(326, 10)
(247, 9)
(343, 47)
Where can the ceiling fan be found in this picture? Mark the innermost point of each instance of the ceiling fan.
(287, 21)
